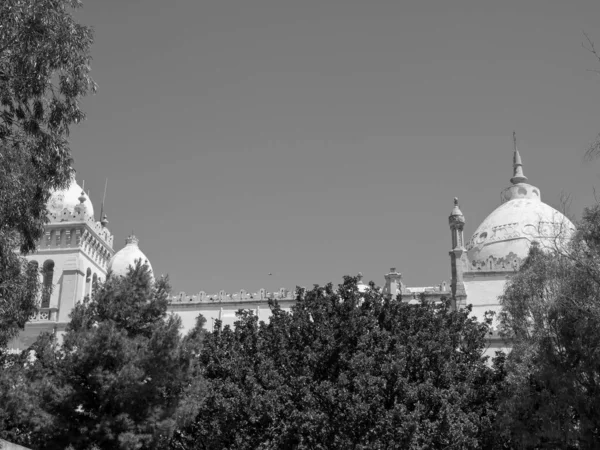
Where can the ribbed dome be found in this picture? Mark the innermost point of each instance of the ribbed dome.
(128, 256)
(69, 198)
(504, 237)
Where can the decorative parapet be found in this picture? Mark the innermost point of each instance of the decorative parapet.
(76, 235)
(285, 294)
(81, 215)
(45, 315)
(241, 296)
(442, 288)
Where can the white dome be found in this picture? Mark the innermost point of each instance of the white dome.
(504, 237)
(362, 287)
(69, 199)
(128, 256)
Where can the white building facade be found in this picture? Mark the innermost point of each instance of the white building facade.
(77, 251)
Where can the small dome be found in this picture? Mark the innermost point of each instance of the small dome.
(69, 199)
(362, 287)
(128, 256)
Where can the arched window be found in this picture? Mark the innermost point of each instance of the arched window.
(48, 275)
(94, 282)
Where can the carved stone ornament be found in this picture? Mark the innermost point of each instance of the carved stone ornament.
(509, 263)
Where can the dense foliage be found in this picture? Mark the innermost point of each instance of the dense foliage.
(551, 312)
(346, 369)
(44, 72)
(115, 382)
(342, 369)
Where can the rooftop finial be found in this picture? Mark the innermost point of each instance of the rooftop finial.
(518, 176)
(456, 216)
(131, 239)
(456, 210)
(103, 198)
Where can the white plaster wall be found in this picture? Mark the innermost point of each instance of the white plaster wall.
(483, 291)
(59, 262)
(212, 311)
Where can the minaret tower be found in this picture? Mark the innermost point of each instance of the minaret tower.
(457, 255)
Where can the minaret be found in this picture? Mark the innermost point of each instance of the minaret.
(457, 254)
(518, 176)
(393, 283)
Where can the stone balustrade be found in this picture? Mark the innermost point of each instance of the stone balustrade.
(45, 315)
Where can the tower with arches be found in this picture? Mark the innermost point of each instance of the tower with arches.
(73, 256)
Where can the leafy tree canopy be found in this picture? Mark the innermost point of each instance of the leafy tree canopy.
(346, 369)
(115, 382)
(551, 312)
(44, 72)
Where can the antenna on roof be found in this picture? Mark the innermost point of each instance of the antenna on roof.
(103, 198)
(83, 187)
(515, 140)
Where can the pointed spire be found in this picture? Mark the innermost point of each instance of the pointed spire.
(518, 176)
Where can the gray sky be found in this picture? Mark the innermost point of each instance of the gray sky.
(312, 139)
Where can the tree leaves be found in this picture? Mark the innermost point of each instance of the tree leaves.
(551, 310)
(116, 381)
(346, 370)
(40, 44)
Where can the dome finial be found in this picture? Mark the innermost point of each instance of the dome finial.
(131, 239)
(518, 176)
(456, 219)
(456, 210)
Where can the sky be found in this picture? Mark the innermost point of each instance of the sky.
(277, 143)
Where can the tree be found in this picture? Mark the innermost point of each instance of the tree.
(346, 369)
(116, 381)
(44, 72)
(551, 312)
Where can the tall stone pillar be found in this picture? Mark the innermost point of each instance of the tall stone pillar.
(458, 256)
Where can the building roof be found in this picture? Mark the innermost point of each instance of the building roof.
(68, 199)
(128, 256)
(505, 236)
